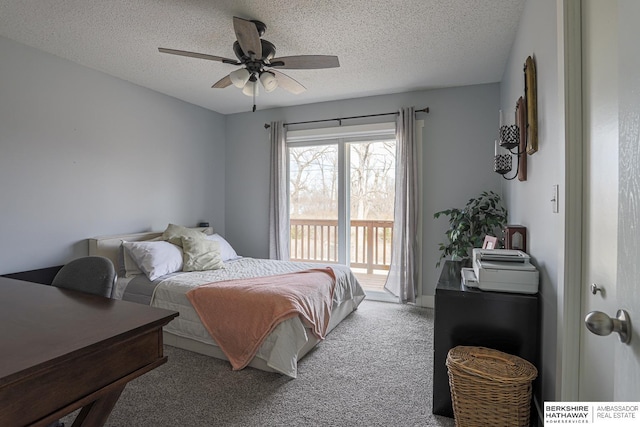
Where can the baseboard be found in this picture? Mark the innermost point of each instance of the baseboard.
(426, 301)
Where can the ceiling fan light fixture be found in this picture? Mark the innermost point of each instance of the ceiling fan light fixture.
(240, 77)
(269, 81)
(251, 88)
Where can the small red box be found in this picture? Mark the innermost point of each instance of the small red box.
(515, 237)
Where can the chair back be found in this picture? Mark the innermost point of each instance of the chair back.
(92, 274)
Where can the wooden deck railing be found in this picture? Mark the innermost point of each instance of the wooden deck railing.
(317, 240)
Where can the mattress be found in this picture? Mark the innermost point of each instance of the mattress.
(281, 350)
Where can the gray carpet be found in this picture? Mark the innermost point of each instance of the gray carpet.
(374, 369)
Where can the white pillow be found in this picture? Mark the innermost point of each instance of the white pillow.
(155, 259)
(128, 267)
(226, 251)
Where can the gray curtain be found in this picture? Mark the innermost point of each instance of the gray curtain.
(278, 197)
(403, 273)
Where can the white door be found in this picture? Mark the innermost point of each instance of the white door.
(609, 369)
(627, 357)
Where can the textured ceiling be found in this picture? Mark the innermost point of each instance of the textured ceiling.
(384, 47)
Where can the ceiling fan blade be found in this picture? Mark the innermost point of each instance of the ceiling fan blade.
(248, 37)
(198, 55)
(306, 62)
(222, 83)
(287, 83)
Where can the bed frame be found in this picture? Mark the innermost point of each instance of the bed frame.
(109, 247)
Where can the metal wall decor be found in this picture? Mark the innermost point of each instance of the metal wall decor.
(523, 135)
(502, 163)
(509, 136)
(510, 139)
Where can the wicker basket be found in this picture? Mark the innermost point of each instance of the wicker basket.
(489, 387)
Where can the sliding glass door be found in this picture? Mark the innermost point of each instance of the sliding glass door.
(371, 195)
(314, 208)
(341, 205)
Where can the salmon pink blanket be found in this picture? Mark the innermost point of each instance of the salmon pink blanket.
(239, 314)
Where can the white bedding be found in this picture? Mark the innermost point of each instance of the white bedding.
(282, 347)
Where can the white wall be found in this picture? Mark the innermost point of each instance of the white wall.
(529, 202)
(85, 154)
(457, 159)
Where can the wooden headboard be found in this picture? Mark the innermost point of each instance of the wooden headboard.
(109, 246)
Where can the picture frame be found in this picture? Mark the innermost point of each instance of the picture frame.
(515, 237)
(530, 93)
(521, 122)
(490, 242)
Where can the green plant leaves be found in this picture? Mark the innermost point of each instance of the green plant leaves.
(481, 216)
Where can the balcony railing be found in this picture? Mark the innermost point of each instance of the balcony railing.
(316, 240)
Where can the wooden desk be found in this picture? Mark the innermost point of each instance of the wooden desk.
(62, 350)
(467, 316)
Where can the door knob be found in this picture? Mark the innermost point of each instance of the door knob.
(601, 324)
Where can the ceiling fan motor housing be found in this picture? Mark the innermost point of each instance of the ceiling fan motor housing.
(268, 51)
(260, 26)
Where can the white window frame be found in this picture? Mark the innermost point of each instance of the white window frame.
(340, 136)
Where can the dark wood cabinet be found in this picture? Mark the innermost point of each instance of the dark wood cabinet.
(43, 276)
(508, 322)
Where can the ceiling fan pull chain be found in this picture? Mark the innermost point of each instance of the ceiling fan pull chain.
(254, 100)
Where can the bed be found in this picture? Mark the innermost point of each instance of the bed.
(162, 285)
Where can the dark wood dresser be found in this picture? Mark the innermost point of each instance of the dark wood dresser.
(508, 322)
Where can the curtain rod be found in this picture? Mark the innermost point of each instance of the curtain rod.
(267, 125)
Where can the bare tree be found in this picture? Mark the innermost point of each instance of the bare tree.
(372, 180)
(313, 176)
(313, 185)
(313, 180)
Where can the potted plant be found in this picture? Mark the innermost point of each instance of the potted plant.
(481, 216)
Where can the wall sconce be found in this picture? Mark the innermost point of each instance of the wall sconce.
(509, 140)
(501, 160)
(523, 136)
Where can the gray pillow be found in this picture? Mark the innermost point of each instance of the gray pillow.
(200, 254)
(174, 233)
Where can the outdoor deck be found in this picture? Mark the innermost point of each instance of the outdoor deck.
(371, 282)
(316, 240)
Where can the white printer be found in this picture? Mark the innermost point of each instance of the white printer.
(502, 270)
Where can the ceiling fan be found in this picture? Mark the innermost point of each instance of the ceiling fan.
(258, 61)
